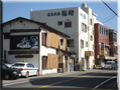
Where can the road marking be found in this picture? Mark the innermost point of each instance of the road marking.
(84, 76)
(104, 82)
(43, 86)
(15, 83)
(48, 85)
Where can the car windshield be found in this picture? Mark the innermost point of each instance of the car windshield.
(19, 65)
(5, 66)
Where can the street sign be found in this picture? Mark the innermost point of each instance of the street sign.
(102, 49)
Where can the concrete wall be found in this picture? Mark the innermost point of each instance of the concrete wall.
(52, 21)
(37, 58)
(80, 16)
(6, 42)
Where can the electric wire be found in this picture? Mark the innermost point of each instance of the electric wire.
(109, 7)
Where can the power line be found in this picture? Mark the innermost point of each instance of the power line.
(110, 8)
(108, 19)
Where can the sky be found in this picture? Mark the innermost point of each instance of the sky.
(13, 10)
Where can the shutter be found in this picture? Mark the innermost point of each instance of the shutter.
(52, 61)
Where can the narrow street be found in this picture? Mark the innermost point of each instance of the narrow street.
(95, 79)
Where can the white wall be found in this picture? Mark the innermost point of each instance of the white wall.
(44, 51)
(52, 21)
(37, 58)
(86, 36)
(6, 42)
(33, 60)
(74, 31)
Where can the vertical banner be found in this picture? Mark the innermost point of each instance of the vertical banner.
(102, 49)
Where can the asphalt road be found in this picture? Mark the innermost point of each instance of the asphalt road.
(96, 79)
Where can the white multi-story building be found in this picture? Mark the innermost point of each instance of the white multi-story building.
(76, 22)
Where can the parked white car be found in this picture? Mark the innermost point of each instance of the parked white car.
(26, 69)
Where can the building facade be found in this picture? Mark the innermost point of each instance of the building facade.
(26, 40)
(76, 22)
(103, 43)
(113, 43)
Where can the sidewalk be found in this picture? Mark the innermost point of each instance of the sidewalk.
(48, 75)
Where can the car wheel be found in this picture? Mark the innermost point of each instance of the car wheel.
(27, 74)
(7, 76)
(16, 77)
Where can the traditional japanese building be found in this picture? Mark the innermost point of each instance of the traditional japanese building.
(25, 40)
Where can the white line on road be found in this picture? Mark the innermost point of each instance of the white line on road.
(104, 82)
(14, 83)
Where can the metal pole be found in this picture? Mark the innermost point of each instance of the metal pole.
(118, 44)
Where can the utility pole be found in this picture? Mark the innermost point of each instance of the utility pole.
(1, 41)
(118, 43)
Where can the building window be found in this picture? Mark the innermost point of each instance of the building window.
(86, 44)
(48, 14)
(82, 44)
(44, 62)
(44, 38)
(6, 35)
(115, 37)
(59, 23)
(93, 47)
(84, 27)
(51, 14)
(91, 22)
(93, 31)
(99, 29)
(58, 13)
(61, 42)
(64, 13)
(55, 14)
(91, 37)
(70, 43)
(102, 30)
(68, 24)
(107, 32)
(71, 12)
